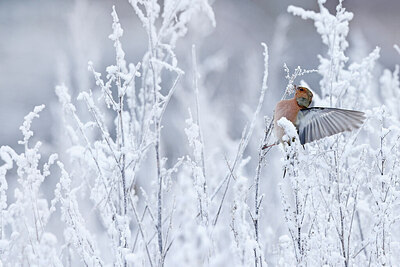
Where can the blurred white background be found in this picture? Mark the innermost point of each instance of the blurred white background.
(48, 42)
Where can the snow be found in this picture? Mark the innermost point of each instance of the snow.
(288, 127)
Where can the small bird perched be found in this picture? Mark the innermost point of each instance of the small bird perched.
(316, 122)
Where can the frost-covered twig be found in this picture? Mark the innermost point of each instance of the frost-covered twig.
(139, 223)
(257, 200)
(196, 89)
(24, 234)
(248, 131)
(294, 215)
(76, 232)
(397, 48)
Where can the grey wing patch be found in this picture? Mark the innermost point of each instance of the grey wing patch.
(317, 123)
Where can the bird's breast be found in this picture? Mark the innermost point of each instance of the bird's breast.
(288, 109)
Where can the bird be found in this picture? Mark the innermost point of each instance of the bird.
(314, 123)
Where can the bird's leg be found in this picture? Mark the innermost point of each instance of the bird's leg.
(268, 146)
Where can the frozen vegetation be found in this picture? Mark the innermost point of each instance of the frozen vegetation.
(120, 200)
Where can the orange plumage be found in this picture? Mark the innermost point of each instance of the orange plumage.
(317, 122)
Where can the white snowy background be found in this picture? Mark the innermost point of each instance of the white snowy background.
(144, 122)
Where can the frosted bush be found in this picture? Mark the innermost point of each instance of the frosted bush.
(121, 199)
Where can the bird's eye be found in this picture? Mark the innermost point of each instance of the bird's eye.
(301, 90)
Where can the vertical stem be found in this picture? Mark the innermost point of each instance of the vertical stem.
(256, 198)
(341, 234)
(342, 237)
(257, 201)
(383, 192)
(296, 192)
(159, 176)
(261, 156)
(122, 145)
(159, 194)
(256, 205)
(361, 231)
(153, 54)
(203, 209)
(294, 175)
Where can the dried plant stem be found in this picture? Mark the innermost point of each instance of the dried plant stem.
(140, 225)
(153, 54)
(257, 200)
(203, 209)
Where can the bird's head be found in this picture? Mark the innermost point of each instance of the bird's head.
(303, 96)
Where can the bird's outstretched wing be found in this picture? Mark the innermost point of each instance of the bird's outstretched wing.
(316, 123)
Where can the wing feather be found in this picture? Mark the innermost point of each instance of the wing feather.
(317, 123)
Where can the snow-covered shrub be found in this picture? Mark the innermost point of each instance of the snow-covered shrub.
(344, 222)
(121, 200)
(24, 235)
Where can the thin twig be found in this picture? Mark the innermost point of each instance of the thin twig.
(196, 89)
(139, 223)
